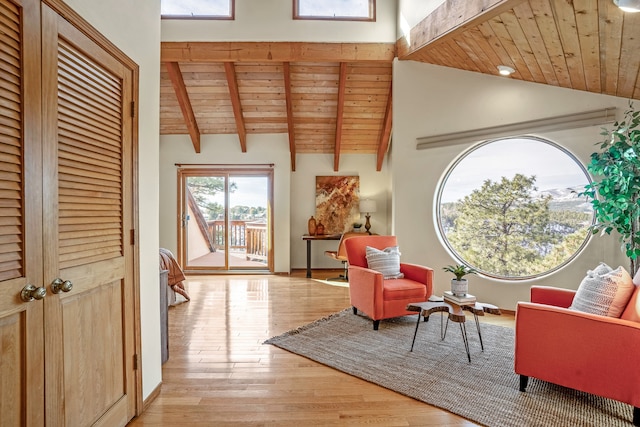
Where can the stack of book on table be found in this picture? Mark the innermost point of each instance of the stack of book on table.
(460, 300)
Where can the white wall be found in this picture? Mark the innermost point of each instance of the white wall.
(431, 100)
(136, 31)
(373, 185)
(260, 20)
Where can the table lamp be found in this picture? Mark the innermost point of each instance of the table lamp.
(367, 206)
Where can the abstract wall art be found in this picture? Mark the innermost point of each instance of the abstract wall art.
(337, 202)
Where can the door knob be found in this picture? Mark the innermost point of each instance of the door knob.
(30, 293)
(60, 285)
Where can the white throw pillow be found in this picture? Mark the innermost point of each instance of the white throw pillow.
(604, 291)
(385, 261)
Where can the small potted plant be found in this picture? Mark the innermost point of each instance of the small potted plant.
(357, 226)
(459, 285)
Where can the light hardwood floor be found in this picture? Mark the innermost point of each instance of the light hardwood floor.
(220, 374)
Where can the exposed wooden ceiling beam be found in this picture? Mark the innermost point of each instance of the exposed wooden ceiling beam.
(339, 115)
(449, 19)
(385, 135)
(235, 103)
(173, 69)
(275, 52)
(287, 95)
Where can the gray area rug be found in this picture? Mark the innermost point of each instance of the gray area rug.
(438, 373)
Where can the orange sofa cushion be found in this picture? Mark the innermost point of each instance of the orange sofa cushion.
(402, 289)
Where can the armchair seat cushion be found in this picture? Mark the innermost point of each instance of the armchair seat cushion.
(403, 289)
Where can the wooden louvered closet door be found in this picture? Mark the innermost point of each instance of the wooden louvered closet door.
(89, 343)
(21, 323)
(66, 209)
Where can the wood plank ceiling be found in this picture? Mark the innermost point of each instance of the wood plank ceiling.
(336, 98)
(588, 45)
(329, 98)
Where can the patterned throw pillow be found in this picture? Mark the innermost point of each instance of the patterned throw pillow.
(604, 291)
(386, 261)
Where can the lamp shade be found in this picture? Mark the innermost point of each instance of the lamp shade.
(628, 5)
(367, 205)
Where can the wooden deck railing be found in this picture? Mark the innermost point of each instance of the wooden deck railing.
(249, 237)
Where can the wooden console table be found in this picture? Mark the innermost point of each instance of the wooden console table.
(309, 238)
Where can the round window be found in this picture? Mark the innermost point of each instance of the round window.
(510, 208)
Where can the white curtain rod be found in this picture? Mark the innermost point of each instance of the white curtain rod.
(569, 121)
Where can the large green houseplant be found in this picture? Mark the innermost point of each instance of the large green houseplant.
(615, 190)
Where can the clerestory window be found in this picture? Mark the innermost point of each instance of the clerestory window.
(197, 9)
(339, 10)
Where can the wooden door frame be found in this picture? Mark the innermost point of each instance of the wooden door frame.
(92, 33)
(216, 169)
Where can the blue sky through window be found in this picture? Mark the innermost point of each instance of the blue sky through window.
(553, 168)
(334, 8)
(196, 7)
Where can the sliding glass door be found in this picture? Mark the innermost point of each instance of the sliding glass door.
(225, 219)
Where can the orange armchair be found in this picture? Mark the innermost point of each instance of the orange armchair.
(372, 294)
(587, 352)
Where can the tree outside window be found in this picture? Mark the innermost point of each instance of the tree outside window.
(510, 208)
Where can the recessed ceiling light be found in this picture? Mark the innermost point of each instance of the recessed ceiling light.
(505, 70)
(628, 5)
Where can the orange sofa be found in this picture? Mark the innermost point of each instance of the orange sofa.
(587, 352)
(372, 294)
